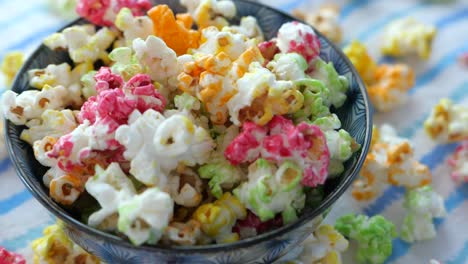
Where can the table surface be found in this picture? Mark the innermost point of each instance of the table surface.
(24, 23)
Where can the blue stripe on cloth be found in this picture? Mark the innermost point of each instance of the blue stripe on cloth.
(456, 96)
(461, 257)
(14, 201)
(377, 26)
(22, 241)
(452, 202)
(432, 159)
(350, 7)
(4, 164)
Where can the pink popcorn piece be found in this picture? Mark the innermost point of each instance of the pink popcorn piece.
(279, 141)
(459, 159)
(268, 49)
(252, 225)
(138, 7)
(148, 97)
(7, 257)
(308, 46)
(97, 11)
(106, 80)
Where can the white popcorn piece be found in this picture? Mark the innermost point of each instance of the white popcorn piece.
(65, 189)
(248, 27)
(183, 234)
(53, 123)
(110, 187)
(141, 220)
(288, 67)
(210, 12)
(186, 187)
(133, 27)
(447, 122)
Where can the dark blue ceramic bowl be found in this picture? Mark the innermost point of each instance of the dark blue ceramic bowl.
(355, 116)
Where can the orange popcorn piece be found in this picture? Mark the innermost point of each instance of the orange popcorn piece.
(176, 33)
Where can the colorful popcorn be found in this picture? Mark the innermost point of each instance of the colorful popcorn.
(11, 64)
(374, 236)
(288, 66)
(390, 161)
(125, 64)
(56, 247)
(103, 12)
(325, 20)
(248, 27)
(218, 218)
(222, 176)
(133, 27)
(447, 122)
(408, 36)
(459, 163)
(210, 12)
(422, 204)
(362, 61)
(336, 84)
(7, 257)
(391, 85)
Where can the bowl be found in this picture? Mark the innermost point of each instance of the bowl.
(265, 248)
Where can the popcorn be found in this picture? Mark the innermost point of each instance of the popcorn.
(325, 20)
(447, 122)
(279, 141)
(186, 187)
(271, 190)
(249, 27)
(218, 218)
(56, 247)
(459, 163)
(183, 234)
(159, 61)
(289, 66)
(88, 84)
(391, 85)
(325, 245)
(252, 225)
(408, 36)
(337, 84)
(31, 104)
(269, 49)
(210, 12)
(133, 27)
(10, 257)
(175, 33)
(362, 61)
(125, 63)
(374, 236)
(65, 189)
(390, 160)
(260, 96)
(52, 123)
(143, 222)
(422, 204)
(103, 12)
(11, 64)
(315, 100)
(222, 175)
(299, 38)
(41, 147)
(84, 44)
(110, 187)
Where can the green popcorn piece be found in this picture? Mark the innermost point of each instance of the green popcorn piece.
(329, 122)
(374, 236)
(185, 101)
(417, 227)
(221, 174)
(270, 190)
(141, 220)
(88, 82)
(288, 66)
(315, 97)
(125, 63)
(336, 84)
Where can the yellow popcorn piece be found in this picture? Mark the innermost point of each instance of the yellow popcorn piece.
(218, 218)
(210, 12)
(391, 85)
(325, 20)
(56, 248)
(362, 61)
(11, 64)
(408, 36)
(447, 122)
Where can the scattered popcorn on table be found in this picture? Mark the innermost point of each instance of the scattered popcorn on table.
(422, 204)
(325, 20)
(390, 161)
(7, 257)
(55, 247)
(391, 85)
(374, 236)
(362, 61)
(408, 36)
(103, 12)
(447, 122)
(11, 64)
(459, 163)
(210, 12)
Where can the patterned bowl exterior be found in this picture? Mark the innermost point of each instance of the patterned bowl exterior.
(355, 116)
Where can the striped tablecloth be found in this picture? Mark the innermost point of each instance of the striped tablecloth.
(24, 23)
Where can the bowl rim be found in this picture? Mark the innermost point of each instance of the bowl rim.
(60, 213)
